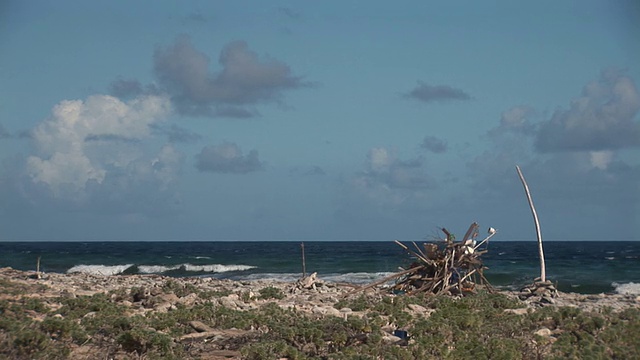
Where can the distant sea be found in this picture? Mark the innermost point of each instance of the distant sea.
(583, 267)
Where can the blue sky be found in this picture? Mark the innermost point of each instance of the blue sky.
(337, 120)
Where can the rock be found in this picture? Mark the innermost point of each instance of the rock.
(391, 339)
(544, 332)
(521, 311)
(202, 335)
(155, 290)
(417, 308)
(546, 299)
(331, 311)
(388, 329)
(188, 300)
(327, 311)
(89, 315)
(162, 307)
(307, 282)
(170, 298)
(199, 326)
(540, 291)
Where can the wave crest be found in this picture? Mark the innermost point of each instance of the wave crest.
(627, 288)
(216, 268)
(99, 269)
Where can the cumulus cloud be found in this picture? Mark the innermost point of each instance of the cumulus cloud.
(575, 162)
(515, 120)
(244, 79)
(384, 169)
(84, 141)
(604, 117)
(436, 93)
(228, 158)
(434, 144)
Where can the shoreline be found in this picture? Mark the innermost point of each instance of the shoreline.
(200, 335)
(90, 284)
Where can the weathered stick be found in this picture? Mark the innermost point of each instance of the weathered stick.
(543, 275)
(382, 281)
(304, 264)
(484, 240)
(428, 261)
(470, 232)
(38, 276)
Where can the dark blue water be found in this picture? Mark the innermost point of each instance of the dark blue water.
(586, 267)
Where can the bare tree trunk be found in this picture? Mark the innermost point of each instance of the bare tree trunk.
(543, 275)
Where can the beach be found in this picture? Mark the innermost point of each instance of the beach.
(145, 296)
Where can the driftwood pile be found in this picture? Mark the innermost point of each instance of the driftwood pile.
(445, 267)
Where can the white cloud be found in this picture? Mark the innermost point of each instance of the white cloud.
(76, 144)
(228, 158)
(604, 117)
(601, 159)
(387, 180)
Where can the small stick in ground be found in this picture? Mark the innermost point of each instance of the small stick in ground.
(304, 264)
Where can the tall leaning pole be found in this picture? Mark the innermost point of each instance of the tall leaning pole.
(543, 275)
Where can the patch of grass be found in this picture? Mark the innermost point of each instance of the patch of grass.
(471, 327)
(179, 288)
(271, 292)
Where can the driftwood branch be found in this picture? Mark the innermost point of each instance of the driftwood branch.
(543, 275)
(386, 279)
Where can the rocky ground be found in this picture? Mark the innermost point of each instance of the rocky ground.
(314, 297)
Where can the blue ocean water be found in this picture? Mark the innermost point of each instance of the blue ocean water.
(584, 267)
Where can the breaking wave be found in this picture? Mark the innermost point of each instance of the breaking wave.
(99, 269)
(155, 269)
(627, 288)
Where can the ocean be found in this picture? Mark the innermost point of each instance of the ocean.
(582, 267)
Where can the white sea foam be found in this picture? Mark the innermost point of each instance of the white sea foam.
(213, 268)
(284, 277)
(351, 278)
(156, 269)
(216, 268)
(627, 288)
(356, 278)
(99, 269)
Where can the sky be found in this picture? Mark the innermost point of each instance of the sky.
(331, 120)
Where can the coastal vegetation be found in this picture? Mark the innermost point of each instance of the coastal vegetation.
(182, 319)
